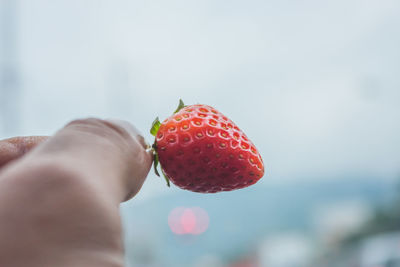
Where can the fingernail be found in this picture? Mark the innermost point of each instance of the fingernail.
(132, 130)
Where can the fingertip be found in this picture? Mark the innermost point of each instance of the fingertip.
(132, 130)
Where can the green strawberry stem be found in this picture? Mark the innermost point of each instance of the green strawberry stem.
(180, 106)
(156, 161)
(155, 126)
(165, 177)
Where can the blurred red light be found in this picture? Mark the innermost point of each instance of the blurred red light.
(192, 221)
(188, 221)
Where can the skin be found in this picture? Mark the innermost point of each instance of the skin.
(60, 195)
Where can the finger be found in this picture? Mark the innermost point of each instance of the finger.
(132, 130)
(144, 158)
(14, 148)
(109, 154)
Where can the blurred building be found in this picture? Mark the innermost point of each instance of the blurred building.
(249, 261)
(381, 250)
(209, 260)
(285, 250)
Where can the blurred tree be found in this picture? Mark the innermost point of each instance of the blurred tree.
(385, 219)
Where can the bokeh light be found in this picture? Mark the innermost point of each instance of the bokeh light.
(192, 221)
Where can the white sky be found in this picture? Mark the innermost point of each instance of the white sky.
(315, 84)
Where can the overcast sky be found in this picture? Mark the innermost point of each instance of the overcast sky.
(315, 84)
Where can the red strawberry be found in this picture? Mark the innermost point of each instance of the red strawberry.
(201, 150)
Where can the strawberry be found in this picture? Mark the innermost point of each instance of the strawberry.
(201, 150)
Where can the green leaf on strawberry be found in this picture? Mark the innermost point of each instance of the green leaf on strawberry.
(155, 126)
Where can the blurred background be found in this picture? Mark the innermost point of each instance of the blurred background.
(314, 84)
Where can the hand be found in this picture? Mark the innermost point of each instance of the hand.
(14, 148)
(59, 202)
